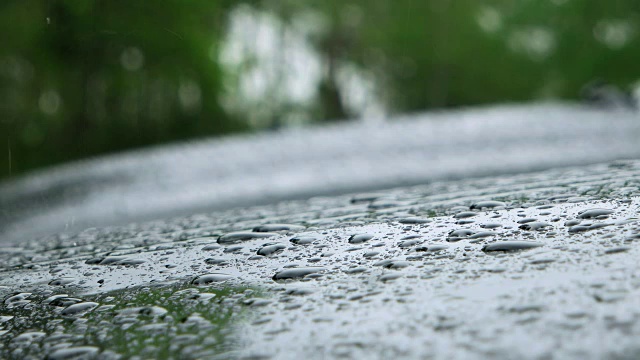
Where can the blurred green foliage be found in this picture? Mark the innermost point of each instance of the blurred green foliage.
(86, 77)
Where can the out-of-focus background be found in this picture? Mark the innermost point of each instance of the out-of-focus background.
(80, 78)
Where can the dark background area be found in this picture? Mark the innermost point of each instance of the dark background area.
(80, 78)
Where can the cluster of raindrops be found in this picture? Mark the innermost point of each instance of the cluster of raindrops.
(169, 320)
(340, 265)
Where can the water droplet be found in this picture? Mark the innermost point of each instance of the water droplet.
(541, 261)
(390, 277)
(236, 237)
(396, 264)
(519, 309)
(489, 204)
(491, 226)
(61, 300)
(360, 238)
(271, 249)
(409, 243)
(526, 220)
(257, 302)
(233, 249)
(457, 235)
(78, 308)
(578, 228)
(143, 310)
(61, 281)
(277, 227)
(366, 197)
(303, 240)
(298, 292)
(586, 227)
(572, 222)
(356, 270)
(482, 234)
(465, 214)
(297, 273)
(383, 204)
(29, 337)
(79, 352)
(618, 249)
(212, 261)
(433, 248)
(536, 225)
(114, 260)
(511, 246)
(414, 220)
(594, 213)
(17, 299)
(210, 278)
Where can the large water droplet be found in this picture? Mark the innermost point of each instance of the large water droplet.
(594, 213)
(210, 278)
(409, 243)
(511, 246)
(74, 353)
(277, 227)
(465, 214)
(236, 237)
(271, 249)
(360, 238)
(617, 250)
(114, 260)
(457, 235)
(61, 281)
(303, 240)
(489, 204)
(15, 299)
(535, 225)
(414, 220)
(297, 273)
(79, 308)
